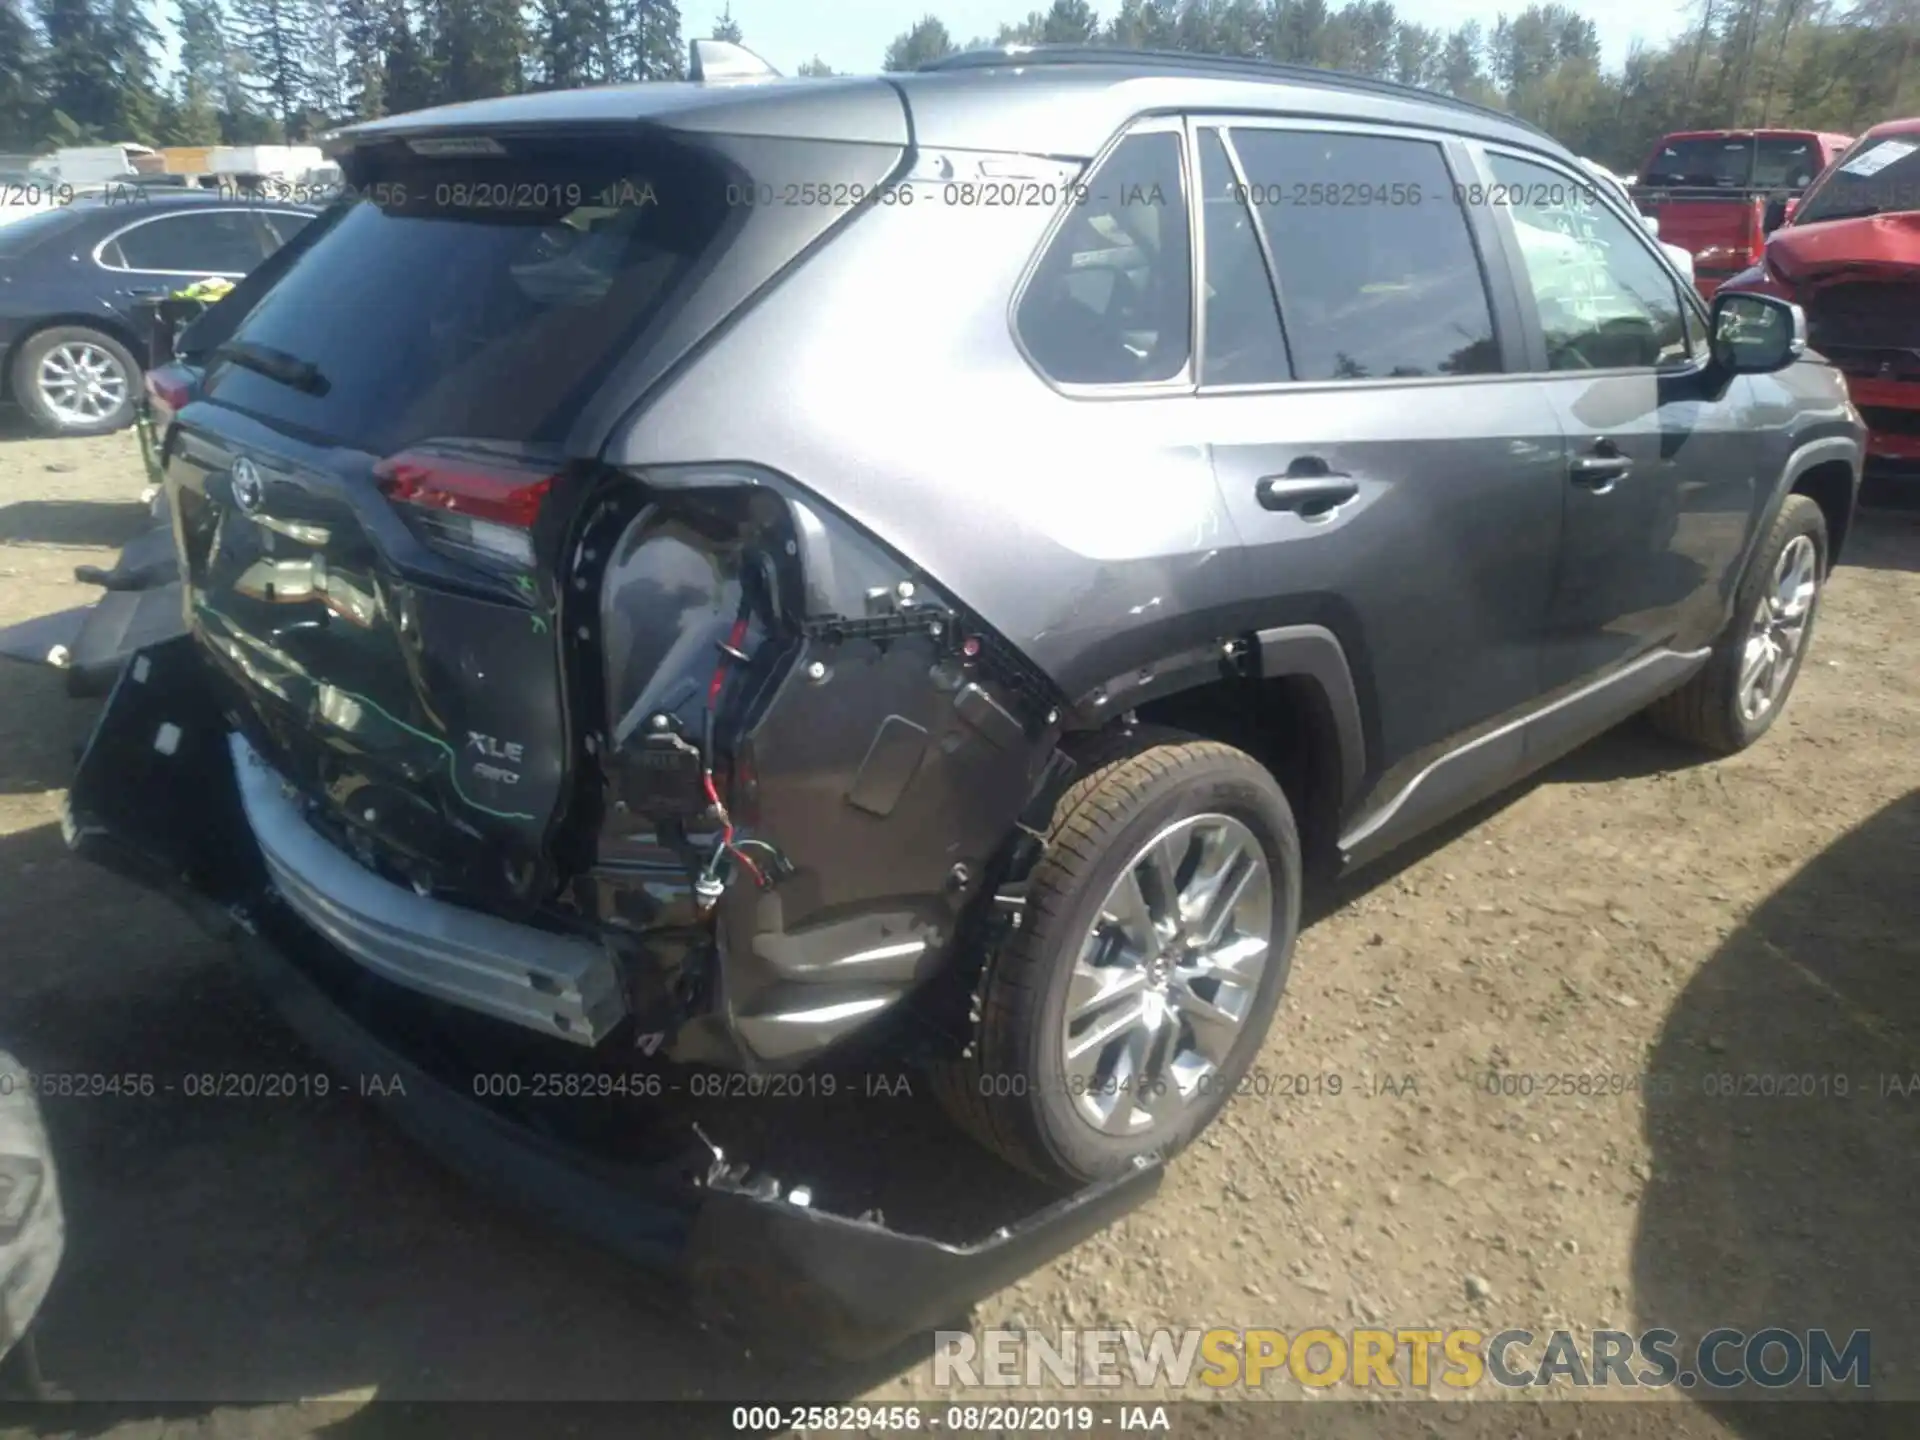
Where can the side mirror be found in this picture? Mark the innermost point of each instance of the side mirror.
(1756, 334)
(1776, 214)
(1652, 222)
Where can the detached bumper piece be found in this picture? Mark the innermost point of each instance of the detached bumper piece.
(142, 607)
(157, 797)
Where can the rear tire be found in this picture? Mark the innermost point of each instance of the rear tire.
(1229, 837)
(74, 380)
(1772, 626)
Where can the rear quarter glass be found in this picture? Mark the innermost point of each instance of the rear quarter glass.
(491, 297)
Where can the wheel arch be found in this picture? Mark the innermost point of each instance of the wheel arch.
(1287, 696)
(1827, 471)
(1831, 484)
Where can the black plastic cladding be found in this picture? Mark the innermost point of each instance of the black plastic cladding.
(874, 743)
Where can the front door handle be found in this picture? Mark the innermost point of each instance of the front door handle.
(1310, 496)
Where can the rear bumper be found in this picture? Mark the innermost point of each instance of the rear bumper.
(555, 984)
(155, 797)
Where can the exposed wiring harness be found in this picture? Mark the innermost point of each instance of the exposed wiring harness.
(728, 847)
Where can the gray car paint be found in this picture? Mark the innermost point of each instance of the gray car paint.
(1466, 613)
(1103, 532)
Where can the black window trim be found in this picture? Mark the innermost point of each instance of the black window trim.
(1184, 382)
(171, 214)
(1538, 365)
(1197, 127)
(1495, 267)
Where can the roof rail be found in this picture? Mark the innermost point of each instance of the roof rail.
(1249, 66)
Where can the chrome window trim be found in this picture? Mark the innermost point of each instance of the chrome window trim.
(133, 225)
(1183, 382)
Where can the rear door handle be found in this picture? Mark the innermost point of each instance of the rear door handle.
(1311, 497)
(1600, 470)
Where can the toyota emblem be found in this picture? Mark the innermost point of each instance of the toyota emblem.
(248, 491)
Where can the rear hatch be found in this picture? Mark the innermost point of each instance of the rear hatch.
(374, 485)
(1710, 192)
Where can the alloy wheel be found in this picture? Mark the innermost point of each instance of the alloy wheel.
(1779, 628)
(1167, 975)
(81, 383)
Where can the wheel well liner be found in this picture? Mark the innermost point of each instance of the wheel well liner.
(1831, 485)
(1295, 707)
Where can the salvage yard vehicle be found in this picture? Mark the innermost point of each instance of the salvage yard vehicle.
(1681, 257)
(1851, 257)
(634, 634)
(72, 278)
(1718, 192)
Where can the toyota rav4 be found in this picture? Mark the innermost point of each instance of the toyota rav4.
(718, 574)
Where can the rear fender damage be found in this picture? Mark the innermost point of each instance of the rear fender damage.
(806, 760)
(155, 798)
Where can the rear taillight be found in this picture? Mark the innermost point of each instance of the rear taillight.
(170, 387)
(477, 508)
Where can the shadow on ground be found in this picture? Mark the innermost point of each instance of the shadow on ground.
(1786, 1132)
(72, 522)
(236, 1250)
(41, 727)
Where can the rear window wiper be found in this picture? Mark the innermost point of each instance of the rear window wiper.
(274, 364)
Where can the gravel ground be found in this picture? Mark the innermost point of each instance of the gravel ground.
(1631, 914)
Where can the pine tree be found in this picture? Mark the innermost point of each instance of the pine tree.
(726, 27)
(477, 48)
(927, 41)
(273, 34)
(565, 43)
(203, 73)
(78, 67)
(363, 76)
(325, 29)
(22, 102)
(408, 73)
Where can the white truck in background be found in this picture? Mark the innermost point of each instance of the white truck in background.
(285, 163)
(80, 165)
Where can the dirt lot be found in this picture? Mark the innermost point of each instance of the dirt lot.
(1630, 914)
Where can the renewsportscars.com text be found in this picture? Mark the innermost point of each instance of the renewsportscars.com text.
(1726, 1359)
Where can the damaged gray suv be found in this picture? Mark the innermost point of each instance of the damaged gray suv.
(728, 574)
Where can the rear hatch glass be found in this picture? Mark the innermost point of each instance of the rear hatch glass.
(479, 296)
(371, 491)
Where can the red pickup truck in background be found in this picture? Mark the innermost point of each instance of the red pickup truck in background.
(1850, 256)
(1718, 192)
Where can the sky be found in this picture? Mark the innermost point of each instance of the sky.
(853, 34)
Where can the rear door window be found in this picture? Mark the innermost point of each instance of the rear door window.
(1111, 301)
(282, 226)
(223, 242)
(481, 297)
(1377, 268)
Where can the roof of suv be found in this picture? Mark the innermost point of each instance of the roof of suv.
(1052, 100)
